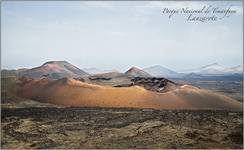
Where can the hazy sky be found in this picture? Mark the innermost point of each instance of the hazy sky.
(117, 35)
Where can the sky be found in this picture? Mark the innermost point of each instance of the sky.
(117, 35)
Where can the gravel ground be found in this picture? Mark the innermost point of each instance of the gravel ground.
(51, 127)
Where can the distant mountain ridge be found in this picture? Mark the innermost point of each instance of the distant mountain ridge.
(213, 69)
(94, 70)
(61, 69)
(235, 69)
(160, 71)
(216, 69)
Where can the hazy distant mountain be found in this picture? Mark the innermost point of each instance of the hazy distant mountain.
(60, 69)
(136, 72)
(193, 76)
(209, 70)
(235, 69)
(160, 71)
(54, 70)
(215, 69)
(94, 70)
(113, 74)
(11, 73)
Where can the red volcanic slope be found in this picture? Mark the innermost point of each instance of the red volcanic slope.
(71, 92)
(136, 72)
(54, 70)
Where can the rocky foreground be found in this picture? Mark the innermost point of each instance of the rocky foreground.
(119, 128)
